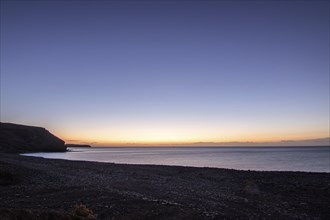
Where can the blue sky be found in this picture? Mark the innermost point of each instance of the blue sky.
(167, 71)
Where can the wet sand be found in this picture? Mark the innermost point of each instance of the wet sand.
(37, 188)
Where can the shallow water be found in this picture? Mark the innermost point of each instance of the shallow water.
(310, 159)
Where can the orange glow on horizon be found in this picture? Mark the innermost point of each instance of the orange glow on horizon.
(160, 134)
(182, 142)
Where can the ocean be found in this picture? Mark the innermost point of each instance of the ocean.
(309, 159)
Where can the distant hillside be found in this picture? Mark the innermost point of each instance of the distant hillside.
(283, 143)
(77, 145)
(16, 138)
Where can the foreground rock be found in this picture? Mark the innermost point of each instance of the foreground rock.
(16, 138)
(51, 187)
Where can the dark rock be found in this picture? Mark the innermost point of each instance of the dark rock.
(251, 188)
(6, 178)
(16, 138)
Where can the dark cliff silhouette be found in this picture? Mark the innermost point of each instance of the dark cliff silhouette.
(16, 138)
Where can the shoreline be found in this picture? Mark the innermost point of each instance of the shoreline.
(265, 160)
(164, 165)
(126, 191)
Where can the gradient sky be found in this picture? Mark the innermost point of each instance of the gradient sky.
(151, 72)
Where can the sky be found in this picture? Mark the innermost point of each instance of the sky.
(167, 72)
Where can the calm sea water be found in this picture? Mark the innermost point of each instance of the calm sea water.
(311, 159)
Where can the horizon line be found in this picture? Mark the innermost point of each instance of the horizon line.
(325, 141)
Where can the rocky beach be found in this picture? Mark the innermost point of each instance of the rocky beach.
(38, 188)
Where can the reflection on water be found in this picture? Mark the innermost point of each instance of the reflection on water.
(311, 159)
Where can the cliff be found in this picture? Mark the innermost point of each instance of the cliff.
(16, 138)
